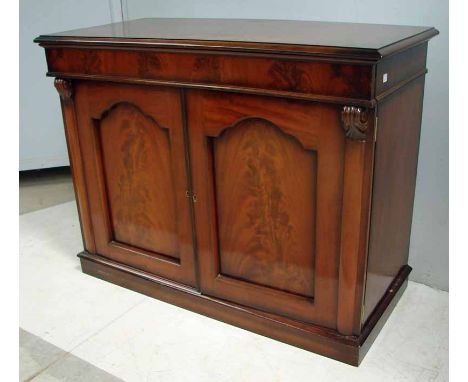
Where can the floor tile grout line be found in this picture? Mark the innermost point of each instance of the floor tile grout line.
(45, 367)
(107, 324)
(67, 353)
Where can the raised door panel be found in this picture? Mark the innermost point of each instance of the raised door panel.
(136, 162)
(132, 141)
(266, 212)
(268, 177)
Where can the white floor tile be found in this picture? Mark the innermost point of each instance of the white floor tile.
(57, 302)
(159, 342)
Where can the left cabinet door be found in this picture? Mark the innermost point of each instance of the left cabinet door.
(132, 143)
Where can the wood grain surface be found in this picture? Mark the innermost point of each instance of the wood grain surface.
(140, 189)
(266, 212)
(311, 170)
(133, 154)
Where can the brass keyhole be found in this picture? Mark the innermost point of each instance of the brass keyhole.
(188, 194)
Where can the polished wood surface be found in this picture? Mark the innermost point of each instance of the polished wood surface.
(133, 153)
(258, 181)
(65, 90)
(352, 39)
(266, 214)
(399, 67)
(211, 119)
(273, 73)
(136, 156)
(357, 182)
(394, 187)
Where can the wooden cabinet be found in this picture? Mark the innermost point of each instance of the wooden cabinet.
(263, 177)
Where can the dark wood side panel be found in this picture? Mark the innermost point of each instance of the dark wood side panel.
(396, 157)
(326, 79)
(399, 67)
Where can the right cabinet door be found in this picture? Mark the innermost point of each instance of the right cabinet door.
(268, 180)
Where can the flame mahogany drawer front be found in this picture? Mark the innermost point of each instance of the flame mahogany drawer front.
(258, 172)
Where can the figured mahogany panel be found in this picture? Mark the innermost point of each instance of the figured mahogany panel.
(265, 190)
(136, 159)
(273, 73)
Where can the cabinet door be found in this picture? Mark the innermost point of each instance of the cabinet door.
(132, 142)
(268, 177)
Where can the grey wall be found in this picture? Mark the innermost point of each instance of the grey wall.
(41, 135)
(429, 240)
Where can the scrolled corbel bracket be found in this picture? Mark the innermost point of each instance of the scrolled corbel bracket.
(354, 122)
(64, 88)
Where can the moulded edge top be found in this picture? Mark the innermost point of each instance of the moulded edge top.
(367, 42)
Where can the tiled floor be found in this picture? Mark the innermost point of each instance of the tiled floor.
(78, 328)
(42, 361)
(44, 188)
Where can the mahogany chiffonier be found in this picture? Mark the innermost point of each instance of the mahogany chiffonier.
(261, 173)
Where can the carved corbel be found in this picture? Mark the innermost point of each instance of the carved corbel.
(64, 88)
(355, 122)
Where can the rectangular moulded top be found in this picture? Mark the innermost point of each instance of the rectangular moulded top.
(368, 42)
